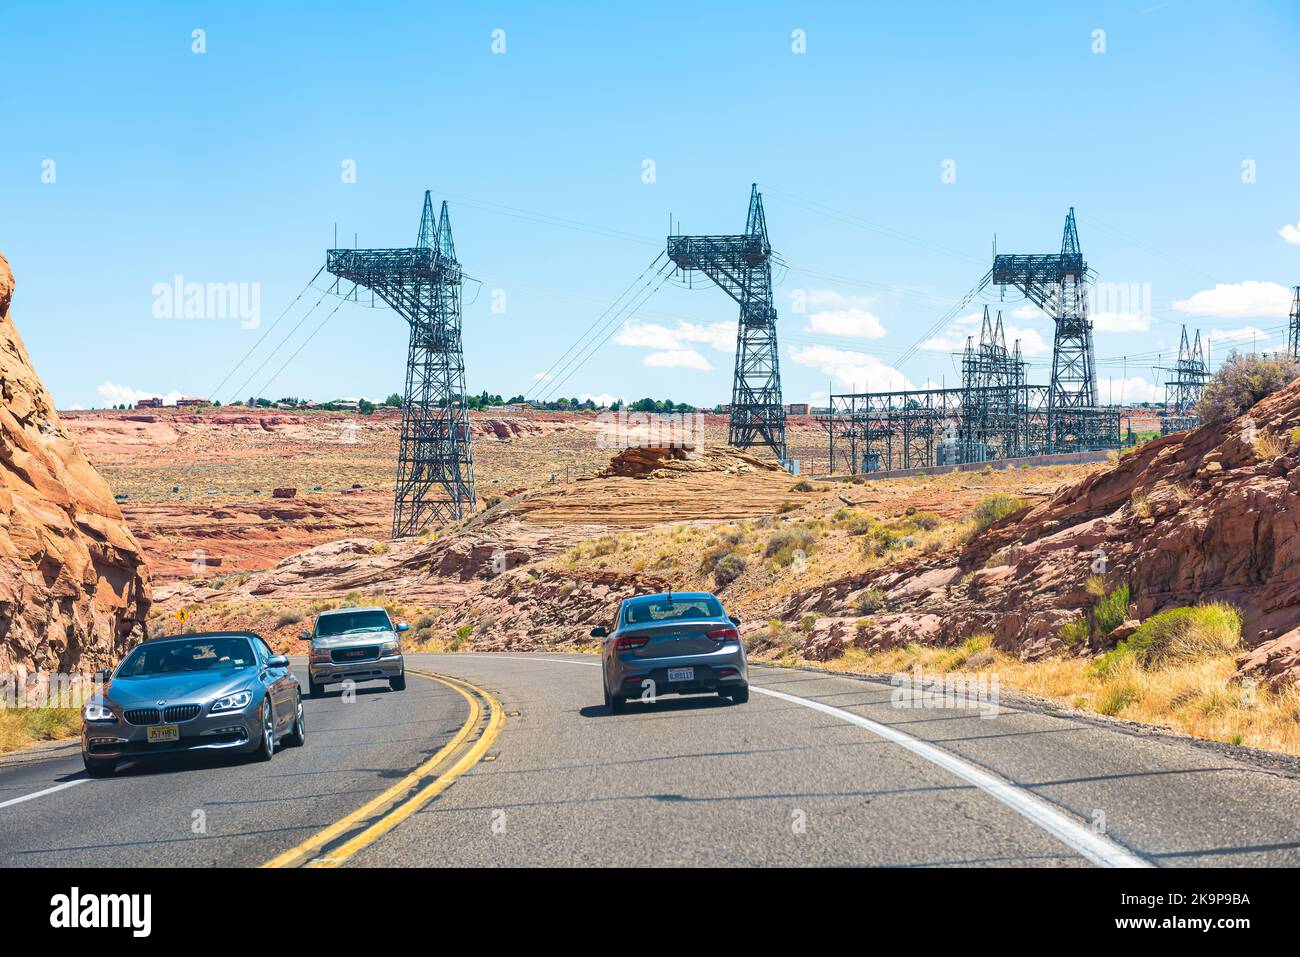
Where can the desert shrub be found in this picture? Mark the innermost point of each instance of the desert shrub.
(783, 544)
(728, 569)
(925, 521)
(1241, 382)
(1178, 635)
(464, 631)
(1073, 632)
(492, 501)
(871, 600)
(425, 621)
(803, 485)
(785, 507)
(993, 508)
(1116, 696)
(288, 618)
(1110, 612)
(1269, 445)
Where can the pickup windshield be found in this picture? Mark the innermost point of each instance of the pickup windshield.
(352, 622)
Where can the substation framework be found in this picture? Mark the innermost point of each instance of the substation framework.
(1293, 327)
(422, 284)
(1184, 386)
(995, 414)
(741, 266)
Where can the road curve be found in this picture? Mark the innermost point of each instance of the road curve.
(815, 770)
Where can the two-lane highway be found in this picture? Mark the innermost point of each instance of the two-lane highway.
(815, 770)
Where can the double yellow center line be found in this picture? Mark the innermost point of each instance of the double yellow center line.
(337, 843)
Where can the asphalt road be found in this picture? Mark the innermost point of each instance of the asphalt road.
(814, 770)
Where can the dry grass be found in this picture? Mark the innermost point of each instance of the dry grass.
(22, 727)
(1188, 690)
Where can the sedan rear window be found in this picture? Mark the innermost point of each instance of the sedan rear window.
(176, 657)
(350, 622)
(671, 609)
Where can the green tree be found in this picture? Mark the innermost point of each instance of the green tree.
(365, 407)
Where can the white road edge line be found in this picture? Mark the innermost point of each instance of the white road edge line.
(1095, 847)
(35, 794)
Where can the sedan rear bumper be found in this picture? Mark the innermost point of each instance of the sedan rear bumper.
(722, 669)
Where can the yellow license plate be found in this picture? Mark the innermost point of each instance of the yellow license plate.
(160, 733)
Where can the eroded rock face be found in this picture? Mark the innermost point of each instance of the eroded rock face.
(74, 590)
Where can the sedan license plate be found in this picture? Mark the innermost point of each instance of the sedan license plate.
(681, 674)
(160, 733)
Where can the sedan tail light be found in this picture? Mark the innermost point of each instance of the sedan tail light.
(631, 641)
(725, 634)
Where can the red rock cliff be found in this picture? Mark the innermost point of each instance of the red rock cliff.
(74, 590)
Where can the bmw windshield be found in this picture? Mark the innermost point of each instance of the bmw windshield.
(187, 655)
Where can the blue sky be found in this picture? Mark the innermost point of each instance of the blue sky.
(1177, 146)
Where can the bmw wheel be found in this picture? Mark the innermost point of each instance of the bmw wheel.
(266, 751)
(99, 769)
(297, 736)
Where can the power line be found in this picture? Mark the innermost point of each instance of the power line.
(285, 312)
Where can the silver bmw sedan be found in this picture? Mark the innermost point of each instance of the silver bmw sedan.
(198, 692)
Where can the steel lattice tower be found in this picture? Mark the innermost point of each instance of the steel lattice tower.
(435, 464)
(1293, 332)
(742, 267)
(1185, 385)
(1057, 284)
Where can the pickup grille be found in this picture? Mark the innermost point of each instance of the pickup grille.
(345, 656)
(180, 712)
(142, 716)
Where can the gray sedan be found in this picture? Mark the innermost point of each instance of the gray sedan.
(200, 692)
(672, 643)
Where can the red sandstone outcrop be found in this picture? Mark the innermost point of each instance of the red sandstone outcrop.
(1207, 515)
(74, 590)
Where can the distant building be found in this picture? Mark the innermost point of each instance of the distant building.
(797, 408)
(149, 404)
(188, 403)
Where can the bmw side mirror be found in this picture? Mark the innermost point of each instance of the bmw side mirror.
(599, 632)
(403, 626)
(277, 661)
(735, 619)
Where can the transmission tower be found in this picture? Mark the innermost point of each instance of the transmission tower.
(1184, 385)
(742, 267)
(994, 422)
(435, 463)
(1057, 284)
(1293, 336)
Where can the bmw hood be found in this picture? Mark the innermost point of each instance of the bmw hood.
(194, 686)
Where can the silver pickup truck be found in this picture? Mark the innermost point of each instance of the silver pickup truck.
(355, 644)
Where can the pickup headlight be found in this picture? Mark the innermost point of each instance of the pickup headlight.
(232, 702)
(97, 711)
(390, 647)
(320, 656)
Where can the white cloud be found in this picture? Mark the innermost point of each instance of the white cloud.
(953, 338)
(1028, 311)
(115, 394)
(853, 322)
(603, 399)
(1244, 334)
(1117, 390)
(1291, 233)
(851, 369)
(1120, 321)
(652, 335)
(677, 359)
(1238, 300)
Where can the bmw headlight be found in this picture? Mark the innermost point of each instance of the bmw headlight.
(232, 702)
(97, 710)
